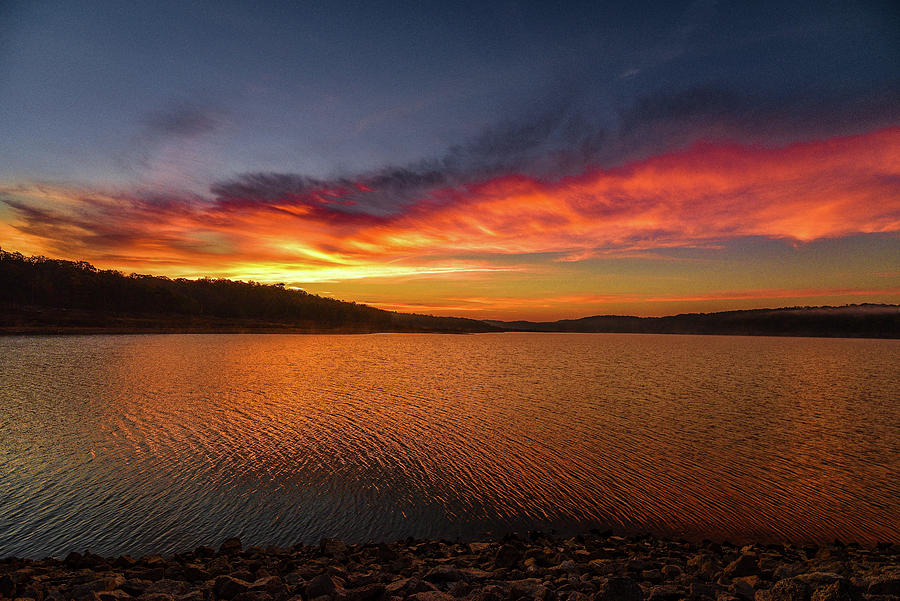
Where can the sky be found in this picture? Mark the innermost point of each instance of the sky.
(501, 160)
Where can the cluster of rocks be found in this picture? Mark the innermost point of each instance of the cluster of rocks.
(536, 567)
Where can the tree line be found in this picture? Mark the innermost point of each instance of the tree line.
(39, 291)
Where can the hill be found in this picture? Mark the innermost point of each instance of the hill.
(43, 295)
(849, 321)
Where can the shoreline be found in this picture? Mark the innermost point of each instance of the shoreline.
(534, 567)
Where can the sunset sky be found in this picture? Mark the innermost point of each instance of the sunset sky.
(489, 160)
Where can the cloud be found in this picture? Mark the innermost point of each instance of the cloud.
(183, 120)
(274, 225)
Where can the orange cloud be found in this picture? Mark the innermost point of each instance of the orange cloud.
(697, 197)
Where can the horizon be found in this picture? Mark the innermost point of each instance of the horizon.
(495, 162)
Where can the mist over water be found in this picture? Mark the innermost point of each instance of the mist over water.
(140, 444)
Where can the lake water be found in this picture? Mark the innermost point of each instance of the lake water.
(145, 444)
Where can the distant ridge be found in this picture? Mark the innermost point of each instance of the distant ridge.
(41, 295)
(848, 321)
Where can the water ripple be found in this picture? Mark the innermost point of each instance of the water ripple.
(160, 443)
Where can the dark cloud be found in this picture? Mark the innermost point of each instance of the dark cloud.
(562, 138)
(182, 120)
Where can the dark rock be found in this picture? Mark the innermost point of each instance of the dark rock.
(196, 573)
(507, 557)
(619, 589)
(368, 592)
(116, 595)
(444, 573)
(273, 585)
(218, 566)
(332, 546)
(253, 596)
(228, 587)
(432, 596)
(746, 564)
(169, 587)
(787, 590)
(839, 590)
(135, 586)
(319, 586)
(885, 584)
(529, 588)
(7, 586)
(156, 597)
(408, 587)
(666, 592)
(231, 546)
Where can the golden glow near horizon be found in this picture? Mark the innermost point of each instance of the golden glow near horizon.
(712, 227)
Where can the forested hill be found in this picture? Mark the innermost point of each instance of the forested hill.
(850, 321)
(49, 295)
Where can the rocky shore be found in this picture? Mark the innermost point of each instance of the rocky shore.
(592, 567)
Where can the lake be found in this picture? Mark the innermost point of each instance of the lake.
(160, 443)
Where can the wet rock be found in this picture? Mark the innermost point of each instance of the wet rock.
(231, 546)
(228, 587)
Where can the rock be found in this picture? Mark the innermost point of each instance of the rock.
(817, 579)
(253, 596)
(156, 597)
(666, 592)
(228, 587)
(529, 588)
(885, 584)
(7, 586)
(619, 589)
(196, 573)
(195, 595)
(839, 590)
(432, 596)
(787, 590)
(332, 546)
(136, 586)
(746, 564)
(444, 573)
(116, 595)
(219, 566)
(507, 557)
(273, 585)
(745, 587)
(368, 592)
(231, 546)
(169, 587)
(671, 572)
(408, 587)
(319, 586)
